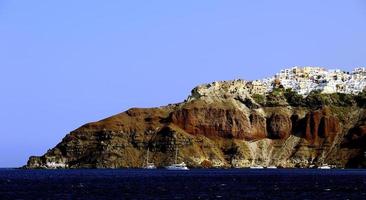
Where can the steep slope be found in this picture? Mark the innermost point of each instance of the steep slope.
(223, 124)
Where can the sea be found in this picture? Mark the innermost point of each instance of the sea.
(193, 184)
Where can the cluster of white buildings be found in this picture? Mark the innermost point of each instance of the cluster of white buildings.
(303, 80)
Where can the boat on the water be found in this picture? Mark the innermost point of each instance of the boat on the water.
(177, 166)
(149, 165)
(272, 167)
(324, 167)
(256, 167)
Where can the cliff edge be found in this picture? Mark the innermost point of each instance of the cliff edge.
(224, 124)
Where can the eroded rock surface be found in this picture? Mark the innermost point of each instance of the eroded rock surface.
(219, 125)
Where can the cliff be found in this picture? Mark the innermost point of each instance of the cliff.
(224, 125)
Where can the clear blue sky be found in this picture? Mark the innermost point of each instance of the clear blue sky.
(64, 63)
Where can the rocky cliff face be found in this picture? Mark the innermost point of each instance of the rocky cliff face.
(221, 125)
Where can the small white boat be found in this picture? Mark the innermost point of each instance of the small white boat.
(180, 166)
(324, 167)
(272, 167)
(149, 165)
(257, 167)
(177, 166)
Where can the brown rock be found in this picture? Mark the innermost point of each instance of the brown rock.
(258, 128)
(218, 131)
(279, 126)
(213, 122)
(321, 123)
(206, 164)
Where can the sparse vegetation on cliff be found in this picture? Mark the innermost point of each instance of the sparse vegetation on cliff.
(361, 99)
(281, 128)
(316, 99)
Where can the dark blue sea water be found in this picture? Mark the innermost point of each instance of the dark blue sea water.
(193, 184)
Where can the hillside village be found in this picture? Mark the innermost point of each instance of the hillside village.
(303, 80)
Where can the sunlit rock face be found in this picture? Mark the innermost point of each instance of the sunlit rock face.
(222, 124)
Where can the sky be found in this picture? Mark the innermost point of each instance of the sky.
(64, 63)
